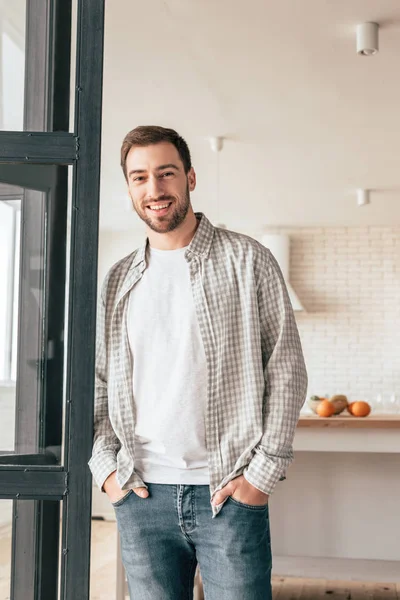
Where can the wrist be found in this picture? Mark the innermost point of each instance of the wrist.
(253, 486)
(109, 480)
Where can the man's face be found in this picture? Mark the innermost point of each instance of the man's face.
(158, 185)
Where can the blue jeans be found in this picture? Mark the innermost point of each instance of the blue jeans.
(164, 536)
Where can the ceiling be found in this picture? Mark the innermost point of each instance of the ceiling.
(306, 120)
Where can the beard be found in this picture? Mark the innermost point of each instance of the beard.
(171, 221)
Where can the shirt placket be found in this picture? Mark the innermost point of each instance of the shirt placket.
(211, 417)
(120, 350)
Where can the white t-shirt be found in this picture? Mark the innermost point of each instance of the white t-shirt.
(169, 373)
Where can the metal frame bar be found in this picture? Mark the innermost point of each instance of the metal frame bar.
(56, 148)
(36, 484)
(41, 466)
(41, 178)
(10, 192)
(75, 577)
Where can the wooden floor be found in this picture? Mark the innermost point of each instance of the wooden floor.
(103, 581)
(291, 588)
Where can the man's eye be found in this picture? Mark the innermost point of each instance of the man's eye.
(138, 179)
(167, 174)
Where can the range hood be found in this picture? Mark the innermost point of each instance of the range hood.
(279, 244)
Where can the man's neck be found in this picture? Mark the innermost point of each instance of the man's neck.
(178, 238)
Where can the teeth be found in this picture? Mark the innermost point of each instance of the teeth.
(159, 207)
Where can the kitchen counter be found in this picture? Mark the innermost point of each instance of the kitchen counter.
(375, 433)
(349, 422)
(340, 499)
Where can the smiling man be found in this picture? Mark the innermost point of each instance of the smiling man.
(200, 378)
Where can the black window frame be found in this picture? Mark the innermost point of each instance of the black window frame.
(25, 477)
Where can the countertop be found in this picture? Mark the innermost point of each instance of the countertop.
(373, 421)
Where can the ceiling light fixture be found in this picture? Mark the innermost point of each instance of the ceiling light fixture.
(367, 39)
(363, 197)
(216, 143)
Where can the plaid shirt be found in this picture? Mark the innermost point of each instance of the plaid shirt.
(257, 378)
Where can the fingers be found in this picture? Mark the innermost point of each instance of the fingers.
(221, 495)
(142, 492)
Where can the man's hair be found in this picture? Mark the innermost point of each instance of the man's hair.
(145, 135)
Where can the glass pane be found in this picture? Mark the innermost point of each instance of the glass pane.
(12, 64)
(34, 240)
(30, 534)
(5, 547)
(10, 217)
(24, 60)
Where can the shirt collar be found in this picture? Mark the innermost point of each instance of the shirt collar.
(203, 237)
(200, 244)
(140, 254)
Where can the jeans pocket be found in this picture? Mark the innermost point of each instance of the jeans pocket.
(261, 507)
(122, 500)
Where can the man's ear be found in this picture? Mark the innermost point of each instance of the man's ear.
(191, 179)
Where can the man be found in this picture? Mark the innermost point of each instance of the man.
(200, 378)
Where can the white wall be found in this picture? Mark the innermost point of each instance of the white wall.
(349, 281)
(114, 245)
(348, 278)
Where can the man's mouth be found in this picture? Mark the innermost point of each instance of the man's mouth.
(160, 209)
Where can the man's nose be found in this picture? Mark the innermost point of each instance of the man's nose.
(154, 188)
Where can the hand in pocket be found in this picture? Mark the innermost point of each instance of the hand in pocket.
(115, 493)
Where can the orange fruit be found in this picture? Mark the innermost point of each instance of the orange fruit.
(325, 408)
(360, 409)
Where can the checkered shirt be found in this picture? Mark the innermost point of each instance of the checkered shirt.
(257, 379)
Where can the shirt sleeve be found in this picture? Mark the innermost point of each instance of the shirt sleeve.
(285, 379)
(105, 443)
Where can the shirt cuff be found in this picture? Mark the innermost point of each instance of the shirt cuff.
(264, 472)
(102, 465)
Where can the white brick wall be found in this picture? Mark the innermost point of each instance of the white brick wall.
(348, 278)
(349, 281)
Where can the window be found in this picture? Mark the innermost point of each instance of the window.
(10, 223)
(12, 64)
